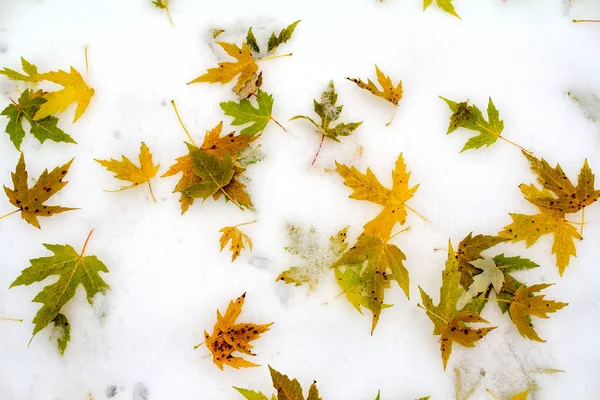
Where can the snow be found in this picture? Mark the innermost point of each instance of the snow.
(167, 275)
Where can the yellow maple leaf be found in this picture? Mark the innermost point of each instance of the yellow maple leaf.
(75, 91)
(128, 171)
(238, 240)
(389, 92)
(245, 67)
(367, 187)
(228, 337)
(531, 227)
(521, 396)
(524, 304)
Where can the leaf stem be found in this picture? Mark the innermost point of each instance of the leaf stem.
(318, 150)
(492, 393)
(86, 243)
(85, 52)
(399, 232)
(432, 313)
(151, 192)
(514, 144)
(281, 126)
(169, 14)
(393, 115)
(586, 20)
(10, 213)
(274, 57)
(11, 319)
(582, 223)
(245, 223)
(413, 210)
(181, 122)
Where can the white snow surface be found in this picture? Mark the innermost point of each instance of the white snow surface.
(167, 275)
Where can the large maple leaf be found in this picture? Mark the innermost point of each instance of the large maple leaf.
(73, 270)
(367, 187)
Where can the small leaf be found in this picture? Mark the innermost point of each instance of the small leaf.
(445, 5)
(284, 36)
(251, 41)
(238, 241)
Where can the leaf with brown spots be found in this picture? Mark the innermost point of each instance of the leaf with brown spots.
(30, 201)
(238, 240)
(228, 337)
(287, 389)
(470, 249)
(367, 187)
(385, 263)
(448, 321)
(557, 198)
(525, 304)
(128, 171)
(389, 92)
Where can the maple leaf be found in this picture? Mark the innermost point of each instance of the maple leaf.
(449, 321)
(521, 396)
(470, 117)
(30, 201)
(489, 275)
(216, 145)
(43, 129)
(215, 174)
(385, 264)
(389, 92)
(229, 337)
(128, 171)
(317, 256)
(445, 5)
(507, 265)
(367, 187)
(75, 90)
(470, 249)
(30, 69)
(329, 112)
(238, 239)
(245, 113)
(245, 67)
(287, 389)
(524, 304)
(73, 269)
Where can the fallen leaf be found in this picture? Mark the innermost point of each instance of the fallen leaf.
(128, 171)
(238, 240)
(229, 337)
(367, 187)
(73, 270)
(62, 332)
(385, 263)
(489, 275)
(287, 389)
(245, 113)
(214, 173)
(30, 201)
(470, 117)
(389, 92)
(245, 67)
(30, 69)
(449, 321)
(470, 249)
(284, 35)
(43, 129)
(329, 112)
(317, 256)
(75, 90)
(525, 304)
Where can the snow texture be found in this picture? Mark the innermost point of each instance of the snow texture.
(167, 275)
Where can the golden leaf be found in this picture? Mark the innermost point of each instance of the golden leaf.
(238, 240)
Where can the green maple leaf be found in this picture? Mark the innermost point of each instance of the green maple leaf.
(215, 173)
(251, 41)
(329, 112)
(385, 263)
(244, 113)
(445, 5)
(317, 256)
(73, 269)
(62, 332)
(30, 69)
(42, 129)
(470, 117)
